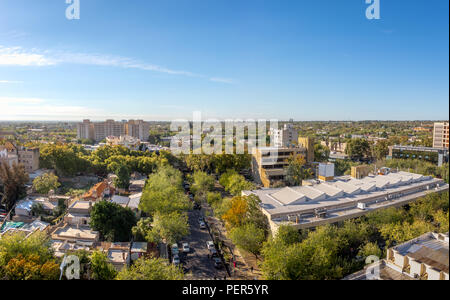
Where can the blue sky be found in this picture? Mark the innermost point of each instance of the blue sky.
(162, 60)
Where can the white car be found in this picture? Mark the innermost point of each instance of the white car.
(210, 245)
(202, 225)
(175, 249)
(186, 248)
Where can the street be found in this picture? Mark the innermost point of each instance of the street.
(197, 261)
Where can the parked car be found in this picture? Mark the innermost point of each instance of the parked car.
(176, 260)
(217, 263)
(202, 225)
(210, 245)
(213, 252)
(186, 248)
(175, 250)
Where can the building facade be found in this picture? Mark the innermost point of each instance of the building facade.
(98, 131)
(28, 157)
(269, 163)
(440, 135)
(138, 129)
(286, 137)
(436, 156)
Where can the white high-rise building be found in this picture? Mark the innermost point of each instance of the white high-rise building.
(286, 137)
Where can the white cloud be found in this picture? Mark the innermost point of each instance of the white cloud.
(17, 56)
(9, 81)
(222, 80)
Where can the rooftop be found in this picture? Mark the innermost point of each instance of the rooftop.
(341, 196)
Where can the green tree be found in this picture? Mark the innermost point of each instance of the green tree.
(24, 257)
(296, 171)
(321, 153)
(101, 269)
(151, 269)
(370, 249)
(45, 183)
(12, 184)
(358, 148)
(113, 221)
(381, 149)
(249, 238)
(123, 177)
(203, 183)
(142, 229)
(164, 193)
(169, 228)
(287, 235)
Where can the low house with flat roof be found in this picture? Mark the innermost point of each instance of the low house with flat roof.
(119, 254)
(79, 213)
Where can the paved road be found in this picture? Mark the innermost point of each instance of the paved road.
(197, 261)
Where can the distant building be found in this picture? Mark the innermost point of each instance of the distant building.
(138, 129)
(98, 131)
(286, 137)
(9, 158)
(85, 130)
(126, 141)
(441, 135)
(436, 156)
(28, 157)
(423, 258)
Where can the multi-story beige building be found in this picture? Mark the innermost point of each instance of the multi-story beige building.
(85, 130)
(269, 163)
(441, 135)
(99, 131)
(29, 157)
(138, 129)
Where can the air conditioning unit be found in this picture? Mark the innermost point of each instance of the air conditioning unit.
(362, 206)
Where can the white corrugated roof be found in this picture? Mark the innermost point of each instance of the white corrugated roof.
(346, 187)
(288, 196)
(310, 192)
(330, 190)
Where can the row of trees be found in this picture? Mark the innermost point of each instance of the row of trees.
(217, 163)
(331, 252)
(165, 203)
(71, 159)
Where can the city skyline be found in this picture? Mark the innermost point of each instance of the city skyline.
(160, 61)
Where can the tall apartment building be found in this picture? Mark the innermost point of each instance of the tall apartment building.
(138, 129)
(285, 137)
(440, 135)
(98, 131)
(85, 130)
(269, 163)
